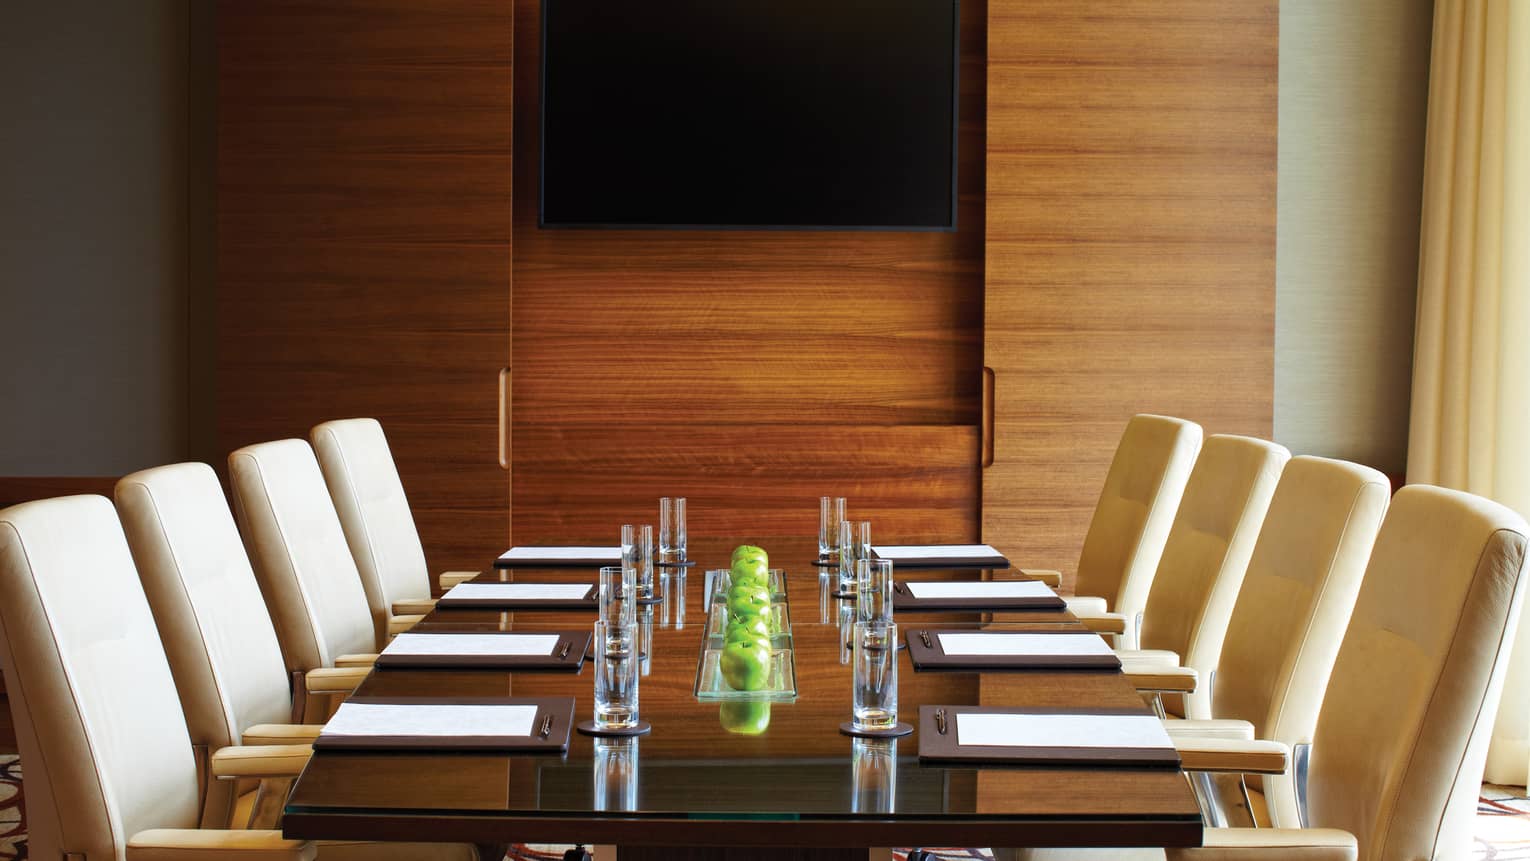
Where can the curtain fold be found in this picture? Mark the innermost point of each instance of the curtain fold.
(1470, 416)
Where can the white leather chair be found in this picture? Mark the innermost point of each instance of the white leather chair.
(1402, 732)
(301, 559)
(110, 771)
(1130, 524)
(1204, 560)
(374, 512)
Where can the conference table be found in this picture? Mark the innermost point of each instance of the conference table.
(693, 789)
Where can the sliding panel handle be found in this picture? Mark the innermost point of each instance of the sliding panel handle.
(504, 418)
(987, 418)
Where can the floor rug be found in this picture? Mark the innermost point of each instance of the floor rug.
(1503, 826)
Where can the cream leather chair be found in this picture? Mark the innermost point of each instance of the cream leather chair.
(1204, 561)
(213, 623)
(110, 769)
(1402, 733)
(369, 497)
(302, 562)
(1131, 523)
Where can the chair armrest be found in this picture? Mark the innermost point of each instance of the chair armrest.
(1045, 575)
(193, 844)
(413, 606)
(451, 578)
(1087, 605)
(357, 660)
(1161, 680)
(282, 733)
(399, 624)
(1102, 623)
(260, 761)
(335, 680)
(1236, 756)
(1213, 728)
(1271, 844)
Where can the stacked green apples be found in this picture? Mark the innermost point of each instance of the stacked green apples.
(745, 661)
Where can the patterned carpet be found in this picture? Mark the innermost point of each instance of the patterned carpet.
(1503, 826)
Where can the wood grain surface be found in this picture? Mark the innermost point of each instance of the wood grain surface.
(751, 371)
(364, 197)
(1131, 242)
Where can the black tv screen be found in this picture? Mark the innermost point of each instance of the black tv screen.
(807, 114)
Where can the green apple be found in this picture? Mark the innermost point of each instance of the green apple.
(748, 597)
(745, 665)
(744, 718)
(737, 633)
(750, 551)
(756, 624)
(749, 567)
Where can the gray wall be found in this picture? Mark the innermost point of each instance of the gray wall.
(1353, 96)
(93, 236)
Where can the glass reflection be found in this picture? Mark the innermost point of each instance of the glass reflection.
(874, 775)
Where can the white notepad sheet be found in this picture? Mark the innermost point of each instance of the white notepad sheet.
(1023, 644)
(1022, 730)
(987, 589)
(521, 591)
(935, 551)
(430, 720)
(561, 554)
(472, 644)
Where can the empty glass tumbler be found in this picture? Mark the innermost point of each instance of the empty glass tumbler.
(874, 590)
(618, 588)
(616, 676)
(672, 529)
(831, 510)
(874, 668)
(846, 567)
(643, 549)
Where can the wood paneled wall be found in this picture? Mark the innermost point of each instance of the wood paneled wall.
(1131, 241)
(749, 371)
(364, 188)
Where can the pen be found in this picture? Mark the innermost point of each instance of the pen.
(563, 652)
(940, 721)
(925, 636)
(899, 587)
(547, 727)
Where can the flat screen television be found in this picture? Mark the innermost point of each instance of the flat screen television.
(789, 114)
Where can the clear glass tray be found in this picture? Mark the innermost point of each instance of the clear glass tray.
(780, 683)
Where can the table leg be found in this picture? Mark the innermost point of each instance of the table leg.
(491, 851)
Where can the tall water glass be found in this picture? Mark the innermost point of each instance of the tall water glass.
(831, 511)
(672, 529)
(616, 774)
(863, 540)
(873, 775)
(847, 581)
(629, 546)
(618, 589)
(644, 551)
(874, 590)
(616, 676)
(874, 660)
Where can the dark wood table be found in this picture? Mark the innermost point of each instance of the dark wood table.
(699, 785)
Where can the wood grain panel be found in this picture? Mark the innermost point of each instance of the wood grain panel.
(364, 242)
(1131, 239)
(751, 371)
(914, 483)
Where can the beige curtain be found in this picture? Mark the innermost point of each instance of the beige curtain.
(1470, 424)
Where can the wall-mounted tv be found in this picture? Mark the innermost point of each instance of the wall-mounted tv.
(794, 114)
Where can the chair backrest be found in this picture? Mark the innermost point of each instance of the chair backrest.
(301, 560)
(369, 497)
(90, 689)
(1136, 507)
(1294, 606)
(1207, 554)
(1402, 737)
(212, 619)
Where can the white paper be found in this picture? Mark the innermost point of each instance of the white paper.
(1022, 730)
(430, 720)
(1023, 644)
(936, 551)
(562, 554)
(521, 591)
(472, 644)
(983, 589)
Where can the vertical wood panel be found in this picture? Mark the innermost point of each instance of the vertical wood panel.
(754, 371)
(364, 240)
(1130, 263)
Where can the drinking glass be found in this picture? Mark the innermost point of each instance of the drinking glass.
(846, 621)
(873, 775)
(874, 589)
(847, 580)
(616, 676)
(874, 659)
(831, 511)
(629, 545)
(863, 540)
(672, 529)
(618, 588)
(616, 774)
(644, 551)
